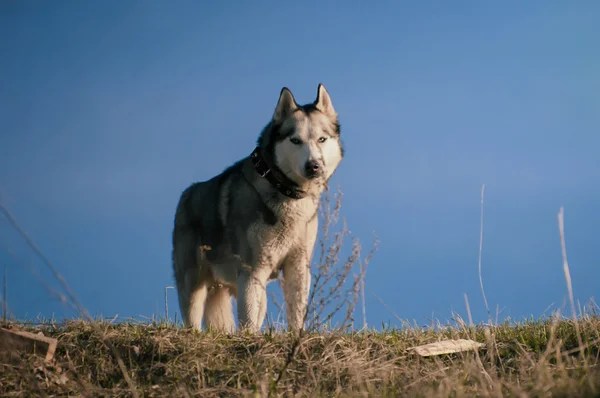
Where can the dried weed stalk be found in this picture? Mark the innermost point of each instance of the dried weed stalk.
(337, 284)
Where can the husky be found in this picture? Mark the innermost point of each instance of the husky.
(238, 231)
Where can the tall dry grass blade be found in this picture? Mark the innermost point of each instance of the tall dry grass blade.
(386, 306)
(363, 271)
(167, 301)
(468, 310)
(487, 308)
(561, 230)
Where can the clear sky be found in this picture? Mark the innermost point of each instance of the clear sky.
(108, 110)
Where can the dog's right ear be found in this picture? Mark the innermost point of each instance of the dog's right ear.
(285, 106)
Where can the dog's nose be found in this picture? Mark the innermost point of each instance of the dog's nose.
(312, 168)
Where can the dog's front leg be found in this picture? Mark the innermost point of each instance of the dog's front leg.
(252, 298)
(296, 288)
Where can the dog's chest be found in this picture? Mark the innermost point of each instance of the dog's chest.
(295, 211)
(291, 229)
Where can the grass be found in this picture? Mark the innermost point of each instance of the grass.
(545, 357)
(530, 358)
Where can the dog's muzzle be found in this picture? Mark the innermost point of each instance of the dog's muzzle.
(312, 169)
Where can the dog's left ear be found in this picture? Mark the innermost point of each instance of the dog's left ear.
(323, 102)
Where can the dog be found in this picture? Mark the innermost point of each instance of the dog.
(237, 231)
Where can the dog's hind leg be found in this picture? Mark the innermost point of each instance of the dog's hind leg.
(192, 298)
(196, 307)
(190, 277)
(218, 312)
(191, 286)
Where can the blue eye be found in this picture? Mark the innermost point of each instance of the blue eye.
(295, 141)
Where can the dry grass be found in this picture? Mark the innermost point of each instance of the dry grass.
(532, 358)
(548, 357)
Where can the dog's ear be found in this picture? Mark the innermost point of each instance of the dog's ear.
(285, 106)
(323, 102)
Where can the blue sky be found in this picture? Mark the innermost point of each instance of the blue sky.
(108, 110)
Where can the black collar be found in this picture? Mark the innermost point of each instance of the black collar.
(279, 181)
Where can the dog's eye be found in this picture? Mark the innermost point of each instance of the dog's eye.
(322, 139)
(295, 141)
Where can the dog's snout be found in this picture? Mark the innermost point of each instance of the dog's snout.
(312, 168)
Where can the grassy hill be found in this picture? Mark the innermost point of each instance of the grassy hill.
(548, 357)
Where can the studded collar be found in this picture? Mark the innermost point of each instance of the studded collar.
(275, 177)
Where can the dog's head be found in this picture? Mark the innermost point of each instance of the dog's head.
(304, 140)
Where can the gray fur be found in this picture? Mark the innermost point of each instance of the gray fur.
(235, 232)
